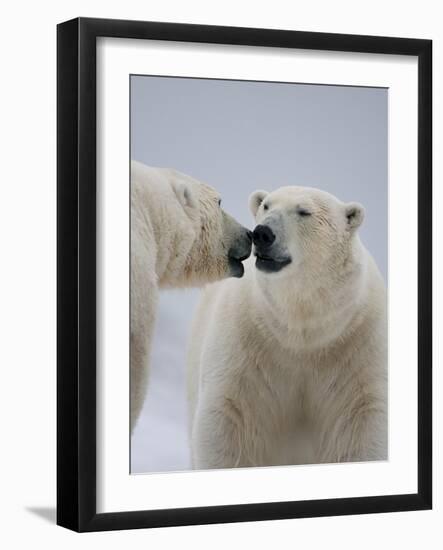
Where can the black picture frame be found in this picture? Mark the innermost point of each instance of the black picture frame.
(76, 273)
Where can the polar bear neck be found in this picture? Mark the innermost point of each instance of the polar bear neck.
(308, 314)
(173, 236)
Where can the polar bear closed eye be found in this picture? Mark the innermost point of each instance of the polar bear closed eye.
(180, 237)
(288, 364)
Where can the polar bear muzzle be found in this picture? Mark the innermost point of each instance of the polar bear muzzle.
(268, 254)
(240, 251)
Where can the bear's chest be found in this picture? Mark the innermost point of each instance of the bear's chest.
(296, 385)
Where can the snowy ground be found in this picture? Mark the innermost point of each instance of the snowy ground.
(160, 439)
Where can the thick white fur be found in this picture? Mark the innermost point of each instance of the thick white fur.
(290, 367)
(179, 238)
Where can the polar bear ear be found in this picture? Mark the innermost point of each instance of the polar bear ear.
(255, 200)
(355, 214)
(185, 195)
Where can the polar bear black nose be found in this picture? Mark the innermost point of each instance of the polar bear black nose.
(263, 236)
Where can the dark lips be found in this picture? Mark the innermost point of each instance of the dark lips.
(270, 265)
(236, 266)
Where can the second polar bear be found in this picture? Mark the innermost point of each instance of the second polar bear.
(288, 365)
(180, 237)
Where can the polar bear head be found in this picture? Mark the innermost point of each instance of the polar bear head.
(219, 242)
(303, 229)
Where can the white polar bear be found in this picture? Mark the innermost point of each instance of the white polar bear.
(180, 237)
(288, 364)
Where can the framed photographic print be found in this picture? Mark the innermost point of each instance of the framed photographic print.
(244, 274)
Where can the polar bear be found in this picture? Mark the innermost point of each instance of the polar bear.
(288, 364)
(180, 237)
